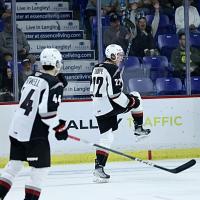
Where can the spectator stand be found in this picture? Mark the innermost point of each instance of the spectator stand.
(56, 28)
(80, 6)
(169, 86)
(167, 43)
(195, 40)
(158, 66)
(1, 25)
(195, 84)
(132, 69)
(105, 20)
(143, 85)
(164, 26)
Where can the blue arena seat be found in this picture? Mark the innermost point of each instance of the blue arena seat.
(164, 20)
(155, 61)
(164, 26)
(1, 25)
(169, 86)
(195, 40)
(143, 85)
(195, 84)
(133, 62)
(132, 69)
(157, 65)
(167, 43)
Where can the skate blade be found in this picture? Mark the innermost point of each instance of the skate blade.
(141, 137)
(100, 180)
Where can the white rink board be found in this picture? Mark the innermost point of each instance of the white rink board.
(50, 25)
(62, 45)
(24, 7)
(174, 123)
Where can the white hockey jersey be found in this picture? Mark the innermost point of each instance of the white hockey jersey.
(40, 97)
(106, 88)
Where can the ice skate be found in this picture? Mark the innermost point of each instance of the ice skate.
(100, 176)
(141, 133)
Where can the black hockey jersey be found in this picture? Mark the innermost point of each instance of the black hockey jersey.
(107, 86)
(41, 95)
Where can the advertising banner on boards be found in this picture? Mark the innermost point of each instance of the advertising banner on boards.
(84, 66)
(50, 25)
(39, 6)
(54, 35)
(75, 55)
(62, 45)
(173, 126)
(45, 16)
(77, 88)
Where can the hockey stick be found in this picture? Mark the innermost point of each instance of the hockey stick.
(130, 26)
(127, 51)
(174, 171)
(125, 58)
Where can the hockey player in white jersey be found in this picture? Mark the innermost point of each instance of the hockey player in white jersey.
(109, 101)
(41, 95)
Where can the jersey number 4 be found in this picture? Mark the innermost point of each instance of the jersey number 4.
(27, 103)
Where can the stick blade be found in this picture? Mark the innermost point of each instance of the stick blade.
(184, 166)
(179, 169)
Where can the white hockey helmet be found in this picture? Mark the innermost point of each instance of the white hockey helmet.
(114, 52)
(52, 57)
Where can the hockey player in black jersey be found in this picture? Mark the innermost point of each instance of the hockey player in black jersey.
(36, 114)
(109, 100)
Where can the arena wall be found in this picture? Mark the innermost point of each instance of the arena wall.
(174, 123)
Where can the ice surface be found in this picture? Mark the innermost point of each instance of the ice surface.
(129, 181)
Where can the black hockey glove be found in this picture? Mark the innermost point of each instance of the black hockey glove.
(62, 79)
(61, 131)
(134, 101)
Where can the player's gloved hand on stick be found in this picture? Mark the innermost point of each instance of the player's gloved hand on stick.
(61, 130)
(62, 79)
(134, 101)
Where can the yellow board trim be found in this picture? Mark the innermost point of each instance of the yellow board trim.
(89, 157)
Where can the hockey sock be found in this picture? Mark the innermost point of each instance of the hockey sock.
(32, 193)
(101, 158)
(138, 119)
(33, 187)
(5, 186)
(10, 171)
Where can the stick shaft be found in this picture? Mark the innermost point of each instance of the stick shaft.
(174, 171)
